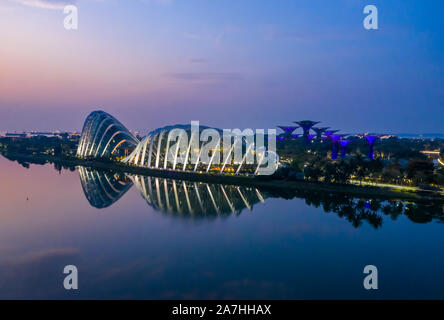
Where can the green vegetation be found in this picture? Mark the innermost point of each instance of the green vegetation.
(59, 147)
(397, 161)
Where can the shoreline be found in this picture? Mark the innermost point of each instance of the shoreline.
(249, 181)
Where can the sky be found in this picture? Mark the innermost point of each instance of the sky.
(226, 63)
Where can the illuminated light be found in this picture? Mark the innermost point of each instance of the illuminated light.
(371, 141)
(117, 146)
(344, 144)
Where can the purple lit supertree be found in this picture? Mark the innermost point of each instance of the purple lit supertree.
(306, 125)
(344, 144)
(309, 138)
(288, 130)
(328, 133)
(371, 139)
(319, 132)
(334, 140)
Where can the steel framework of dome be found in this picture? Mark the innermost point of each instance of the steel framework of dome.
(102, 134)
(157, 151)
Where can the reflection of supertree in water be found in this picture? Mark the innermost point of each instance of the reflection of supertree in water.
(424, 213)
(202, 200)
(357, 210)
(352, 209)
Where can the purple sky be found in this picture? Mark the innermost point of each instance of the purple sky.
(226, 63)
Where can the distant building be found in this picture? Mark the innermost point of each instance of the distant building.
(15, 135)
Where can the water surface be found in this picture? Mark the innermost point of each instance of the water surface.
(141, 237)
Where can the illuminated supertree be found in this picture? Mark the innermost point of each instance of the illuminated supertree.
(344, 144)
(319, 132)
(371, 139)
(288, 131)
(328, 133)
(306, 125)
(334, 140)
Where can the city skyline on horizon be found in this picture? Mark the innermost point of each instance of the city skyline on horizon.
(228, 65)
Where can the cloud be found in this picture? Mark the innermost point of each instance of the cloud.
(205, 76)
(46, 4)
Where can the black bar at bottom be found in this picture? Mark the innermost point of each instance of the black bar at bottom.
(219, 309)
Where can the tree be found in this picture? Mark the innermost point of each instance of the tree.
(420, 171)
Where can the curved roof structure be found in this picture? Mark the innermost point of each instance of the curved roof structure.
(102, 134)
(180, 147)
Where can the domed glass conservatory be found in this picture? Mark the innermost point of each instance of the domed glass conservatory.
(179, 148)
(103, 135)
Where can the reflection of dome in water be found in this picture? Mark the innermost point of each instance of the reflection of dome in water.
(102, 135)
(184, 198)
(102, 189)
(201, 200)
(188, 199)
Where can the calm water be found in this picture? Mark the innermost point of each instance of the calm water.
(136, 237)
